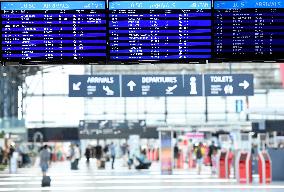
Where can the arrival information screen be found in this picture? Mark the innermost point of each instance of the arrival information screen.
(249, 29)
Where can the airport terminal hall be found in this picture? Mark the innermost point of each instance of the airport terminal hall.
(142, 95)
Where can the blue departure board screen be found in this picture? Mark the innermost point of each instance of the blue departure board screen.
(54, 31)
(160, 30)
(249, 29)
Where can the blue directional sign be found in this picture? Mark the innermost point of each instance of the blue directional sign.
(228, 84)
(161, 85)
(94, 86)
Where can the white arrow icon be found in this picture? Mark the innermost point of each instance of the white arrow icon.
(131, 85)
(245, 84)
(76, 86)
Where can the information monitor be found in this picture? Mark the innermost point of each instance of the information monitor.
(249, 30)
(62, 31)
(160, 30)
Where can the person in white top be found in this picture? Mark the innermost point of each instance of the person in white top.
(77, 155)
(74, 156)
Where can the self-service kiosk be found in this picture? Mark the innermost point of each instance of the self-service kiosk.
(264, 167)
(244, 167)
(223, 165)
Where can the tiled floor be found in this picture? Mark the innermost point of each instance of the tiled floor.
(88, 178)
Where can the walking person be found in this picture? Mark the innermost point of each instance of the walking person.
(176, 151)
(13, 159)
(88, 154)
(112, 154)
(98, 155)
(214, 160)
(77, 155)
(199, 152)
(124, 154)
(72, 157)
(212, 148)
(1, 155)
(190, 154)
(44, 159)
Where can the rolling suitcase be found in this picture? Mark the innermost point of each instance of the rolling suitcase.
(45, 181)
(103, 164)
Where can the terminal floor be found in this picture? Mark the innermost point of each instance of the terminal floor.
(88, 178)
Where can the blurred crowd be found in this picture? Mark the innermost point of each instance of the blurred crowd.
(110, 152)
(23, 152)
(198, 154)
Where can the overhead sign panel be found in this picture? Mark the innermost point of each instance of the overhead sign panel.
(94, 86)
(161, 85)
(96, 128)
(228, 84)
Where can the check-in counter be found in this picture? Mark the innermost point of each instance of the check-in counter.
(264, 167)
(223, 165)
(244, 167)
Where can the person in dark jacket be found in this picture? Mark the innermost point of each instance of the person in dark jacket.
(1, 155)
(88, 154)
(176, 151)
(212, 148)
(99, 154)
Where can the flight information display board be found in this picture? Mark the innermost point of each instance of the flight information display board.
(249, 29)
(54, 31)
(160, 30)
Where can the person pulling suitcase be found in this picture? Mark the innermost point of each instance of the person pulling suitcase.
(44, 162)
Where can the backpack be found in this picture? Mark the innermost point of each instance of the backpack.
(198, 153)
